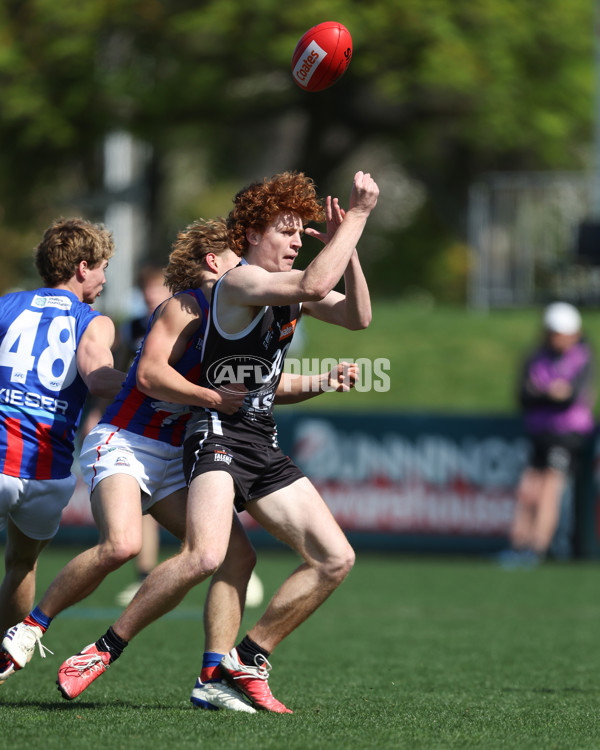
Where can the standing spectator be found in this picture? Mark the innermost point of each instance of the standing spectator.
(53, 349)
(557, 396)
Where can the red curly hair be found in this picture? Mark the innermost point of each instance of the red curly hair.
(257, 205)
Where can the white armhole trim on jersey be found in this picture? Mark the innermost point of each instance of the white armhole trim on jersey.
(233, 336)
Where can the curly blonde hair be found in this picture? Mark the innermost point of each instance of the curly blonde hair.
(257, 205)
(66, 243)
(186, 269)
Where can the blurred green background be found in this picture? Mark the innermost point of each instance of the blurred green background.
(439, 94)
(443, 359)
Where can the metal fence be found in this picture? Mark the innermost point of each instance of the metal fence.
(523, 232)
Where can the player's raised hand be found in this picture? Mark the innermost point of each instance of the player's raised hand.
(365, 192)
(334, 215)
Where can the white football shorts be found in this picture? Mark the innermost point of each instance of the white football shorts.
(157, 466)
(35, 506)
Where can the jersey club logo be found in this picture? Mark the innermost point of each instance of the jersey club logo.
(229, 373)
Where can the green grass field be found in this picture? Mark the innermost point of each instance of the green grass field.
(409, 653)
(416, 653)
(442, 359)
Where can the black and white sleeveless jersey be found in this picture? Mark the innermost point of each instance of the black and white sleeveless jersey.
(253, 357)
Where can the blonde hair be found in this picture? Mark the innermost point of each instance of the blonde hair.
(186, 268)
(66, 243)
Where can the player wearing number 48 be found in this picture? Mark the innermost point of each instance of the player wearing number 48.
(54, 349)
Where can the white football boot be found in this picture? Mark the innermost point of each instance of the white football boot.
(20, 642)
(214, 695)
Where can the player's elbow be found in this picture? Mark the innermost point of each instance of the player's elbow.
(361, 322)
(105, 382)
(96, 389)
(143, 381)
(316, 290)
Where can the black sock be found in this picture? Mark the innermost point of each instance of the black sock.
(248, 649)
(112, 643)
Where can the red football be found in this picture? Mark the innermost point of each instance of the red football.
(322, 56)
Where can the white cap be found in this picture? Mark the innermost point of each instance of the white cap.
(561, 317)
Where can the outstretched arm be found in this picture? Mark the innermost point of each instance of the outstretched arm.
(293, 389)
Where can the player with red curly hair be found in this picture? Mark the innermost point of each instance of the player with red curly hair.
(260, 203)
(254, 311)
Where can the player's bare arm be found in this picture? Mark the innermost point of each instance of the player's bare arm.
(324, 272)
(176, 322)
(351, 310)
(95, 359)
(254, 285)
(293, 389)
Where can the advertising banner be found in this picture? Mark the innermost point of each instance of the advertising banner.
(401, 481)
(412, 481)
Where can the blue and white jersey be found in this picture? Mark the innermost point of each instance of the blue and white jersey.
(41, 391)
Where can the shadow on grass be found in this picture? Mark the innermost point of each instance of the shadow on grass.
(582, 691)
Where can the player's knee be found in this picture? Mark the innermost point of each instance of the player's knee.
(339, 564)
(348, 561)
(203, 566)
(14, 562)
(114, 554)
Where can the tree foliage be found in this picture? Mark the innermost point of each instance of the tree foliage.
(440, 90)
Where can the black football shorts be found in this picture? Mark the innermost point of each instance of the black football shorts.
(257, 469)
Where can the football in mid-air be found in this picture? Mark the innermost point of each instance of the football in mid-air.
(322, 56)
